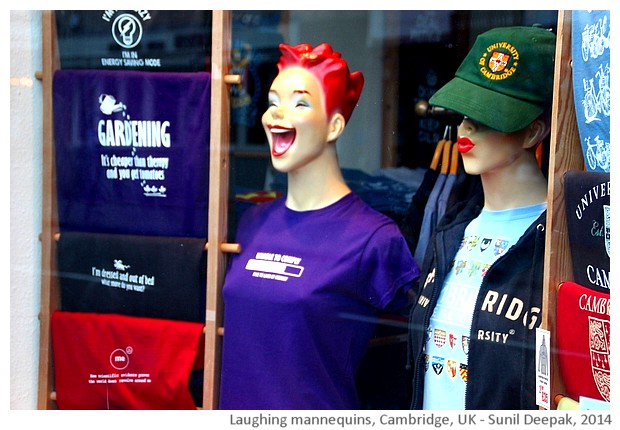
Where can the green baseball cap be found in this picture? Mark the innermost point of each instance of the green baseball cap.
(506, 80)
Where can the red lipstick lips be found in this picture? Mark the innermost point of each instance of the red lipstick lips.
(465, 144)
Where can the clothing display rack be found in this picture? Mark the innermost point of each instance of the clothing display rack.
(218, 198)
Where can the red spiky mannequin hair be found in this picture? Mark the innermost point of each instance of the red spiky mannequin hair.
(342, 89)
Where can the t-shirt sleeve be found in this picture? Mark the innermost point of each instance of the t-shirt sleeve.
(388, 269)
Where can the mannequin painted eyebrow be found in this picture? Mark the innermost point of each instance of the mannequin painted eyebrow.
(294, 92)
(274, 96)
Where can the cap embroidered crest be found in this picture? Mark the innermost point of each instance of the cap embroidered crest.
(496, 66)
(498, 61)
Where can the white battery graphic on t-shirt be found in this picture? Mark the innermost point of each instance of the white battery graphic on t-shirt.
(275, 267)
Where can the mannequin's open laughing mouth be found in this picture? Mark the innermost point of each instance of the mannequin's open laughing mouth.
(281, 139)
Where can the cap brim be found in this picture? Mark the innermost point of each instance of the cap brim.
(498, 111)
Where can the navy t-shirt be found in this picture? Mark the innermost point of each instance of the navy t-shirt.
(300, 303)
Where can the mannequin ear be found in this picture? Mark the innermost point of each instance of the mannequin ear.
(336, 127)
(536, 132)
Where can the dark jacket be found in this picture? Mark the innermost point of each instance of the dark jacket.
(501, 358)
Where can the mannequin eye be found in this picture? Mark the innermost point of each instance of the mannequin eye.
(472, 122)
(273, 99)
(477, 125)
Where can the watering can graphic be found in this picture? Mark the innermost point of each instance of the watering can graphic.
(108, 104)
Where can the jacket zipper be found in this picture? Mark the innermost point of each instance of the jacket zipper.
(427, 317)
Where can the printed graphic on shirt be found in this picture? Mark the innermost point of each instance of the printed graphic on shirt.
(451, 340)
(600, 354)
(501, 245)
(438, 364)
(440, 337)
(510, 307)
(454, 369)
(463, 371)
(451, 364)
(591, 82)
(142, 134)
(465, 344)
(451, 305)
(473, 266)
(440, 340)
(269, 265)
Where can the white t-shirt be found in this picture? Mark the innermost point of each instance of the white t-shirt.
(486, 238)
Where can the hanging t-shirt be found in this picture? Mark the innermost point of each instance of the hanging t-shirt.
(444, 197)
(301, 301)
(132, 151)
(590, 64)
(429, 221)
(142, 276)
(486, 239)
(111, 361)
(412, 223)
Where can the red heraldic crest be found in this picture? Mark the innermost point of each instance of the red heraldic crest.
(583, 338)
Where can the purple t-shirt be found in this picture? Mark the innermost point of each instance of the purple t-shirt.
(300, 303)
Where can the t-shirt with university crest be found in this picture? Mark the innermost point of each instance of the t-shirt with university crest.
(485, 240)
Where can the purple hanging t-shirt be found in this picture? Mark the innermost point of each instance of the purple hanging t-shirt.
(301, 301)
(132, 152)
